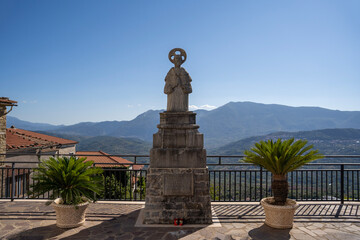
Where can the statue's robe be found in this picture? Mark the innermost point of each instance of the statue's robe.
(177, 88)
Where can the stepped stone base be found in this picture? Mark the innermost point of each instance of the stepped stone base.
(177, 179)
(177, 193)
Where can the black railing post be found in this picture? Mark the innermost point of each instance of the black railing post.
(13, 181)
(342, 181)
(94, 192)
(261, 185)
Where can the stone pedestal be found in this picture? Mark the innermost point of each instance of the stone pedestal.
(177, 179)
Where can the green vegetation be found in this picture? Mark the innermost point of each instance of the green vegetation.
(72, 179)
(113, 145)
(327, 141)
(280, 158)
(110, 145)
(120, 184)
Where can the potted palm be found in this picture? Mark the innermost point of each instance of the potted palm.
(73, 182)
(280, 158)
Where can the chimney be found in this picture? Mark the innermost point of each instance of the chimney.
(4, 103)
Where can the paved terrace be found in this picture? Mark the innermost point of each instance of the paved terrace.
(116, 220)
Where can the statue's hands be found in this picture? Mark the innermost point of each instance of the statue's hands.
(171, 82)
(168, 89)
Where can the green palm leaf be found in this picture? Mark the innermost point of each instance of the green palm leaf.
(72, 179)
(281, 157)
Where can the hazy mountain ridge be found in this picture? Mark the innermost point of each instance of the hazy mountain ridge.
(13, 121)
(142, 127)
(235, 121)
(228, 123)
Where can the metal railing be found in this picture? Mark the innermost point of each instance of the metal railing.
(230, 180)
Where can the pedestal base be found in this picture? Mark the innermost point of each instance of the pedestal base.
(177, 193)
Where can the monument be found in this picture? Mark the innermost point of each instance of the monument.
(177, 179)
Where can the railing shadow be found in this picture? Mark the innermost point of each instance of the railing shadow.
(255, 212)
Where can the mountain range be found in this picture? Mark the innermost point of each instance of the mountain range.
(223, 125)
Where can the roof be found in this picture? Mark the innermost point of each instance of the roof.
(20, 139)
(102, 157)
(7, 102)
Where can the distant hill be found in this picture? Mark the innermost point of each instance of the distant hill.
(110, 145)
(113, 145)
(328, 141)
(239, 120)
(142, 127)
(228, 123)
(13, 121)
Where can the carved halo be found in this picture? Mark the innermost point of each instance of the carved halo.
(172, 54)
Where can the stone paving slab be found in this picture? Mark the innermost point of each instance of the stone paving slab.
(34, 220)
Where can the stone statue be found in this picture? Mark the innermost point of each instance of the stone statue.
(177, 86)
(177, 180)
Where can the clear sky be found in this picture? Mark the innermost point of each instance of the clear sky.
(72, 61)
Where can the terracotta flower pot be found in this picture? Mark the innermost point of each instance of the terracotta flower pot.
(276, 216)
(69, 216)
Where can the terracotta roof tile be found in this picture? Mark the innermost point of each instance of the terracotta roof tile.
(19, 138)
(7, 102)
(103, 157)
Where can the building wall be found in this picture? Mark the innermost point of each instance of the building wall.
(32, 160)
(67, 150)
(2, 132)
(2, 142)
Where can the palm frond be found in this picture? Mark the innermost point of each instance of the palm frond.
(282, 156)
(70, 178)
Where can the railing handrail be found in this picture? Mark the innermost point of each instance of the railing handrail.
(73, 154)
(219, 159)
(147, 155)
(208, 164)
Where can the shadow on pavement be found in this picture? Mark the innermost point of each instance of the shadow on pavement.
(118, 227)
(268, 233)
(38, 233)
(123, 227)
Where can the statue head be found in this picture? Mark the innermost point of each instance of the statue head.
(177, 56)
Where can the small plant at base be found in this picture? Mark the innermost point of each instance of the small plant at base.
(280, 158)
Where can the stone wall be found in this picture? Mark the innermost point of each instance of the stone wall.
(2, 132)
(71, 149)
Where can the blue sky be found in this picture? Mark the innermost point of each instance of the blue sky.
(73, 61)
